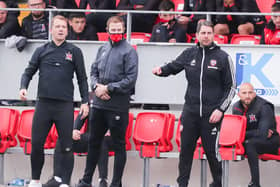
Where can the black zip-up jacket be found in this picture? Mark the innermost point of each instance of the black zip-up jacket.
(198, 5)
(116, 66)
(260, 117)
(98, 4)
(27, 26)
(89, 33)
(239, 6)
(10, 27)
(56, 65)
(211, 78)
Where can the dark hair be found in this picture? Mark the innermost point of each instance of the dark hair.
(204, 23)
(166, 5)
(275, 7)
(77, 15)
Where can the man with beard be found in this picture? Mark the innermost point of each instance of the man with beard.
(261, 135)
(36, 24)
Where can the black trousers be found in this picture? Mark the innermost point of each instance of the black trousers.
(81, 146)
(193, 127)
(256, 146)
(47, 112)
(100, 121)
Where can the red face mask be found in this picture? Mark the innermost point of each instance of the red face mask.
(116, 37)
(163, 20)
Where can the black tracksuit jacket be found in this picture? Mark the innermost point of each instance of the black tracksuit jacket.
(211, 78)
(57, 65)
(260, 117)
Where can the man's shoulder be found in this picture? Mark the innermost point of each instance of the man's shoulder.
(237, 109)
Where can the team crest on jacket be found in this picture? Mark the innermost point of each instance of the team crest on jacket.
(213, 63)
(68, 56)
(252, 118)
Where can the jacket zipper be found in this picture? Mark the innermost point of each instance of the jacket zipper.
(201, 75)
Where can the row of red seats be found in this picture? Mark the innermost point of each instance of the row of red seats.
(152, 134)
(138, 37)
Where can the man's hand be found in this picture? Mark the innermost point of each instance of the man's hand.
(183, 20)
(215, 116)
(102, 91)
(22, 94)
(157, 70)
(84, 109)
(270, 133)
(76, 134)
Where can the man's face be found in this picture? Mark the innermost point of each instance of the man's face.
(246, 94)
(3, 13)
(116, 28)
(78, 24)
(167, 17)
(40, 4)
(205, 36)
(276, 20)
(59, 30)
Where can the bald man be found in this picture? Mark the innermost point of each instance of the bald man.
(261, 135)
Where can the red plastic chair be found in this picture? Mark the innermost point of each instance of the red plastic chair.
(179, 5)
(128, 133)
(232, 135)
(8, 120)
(149, 133)
(265, 6)
(24, 132)
(271, 156)
(245, 39)
(220, 39)
(103, 36)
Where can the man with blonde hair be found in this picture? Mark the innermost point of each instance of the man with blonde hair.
(56, 61)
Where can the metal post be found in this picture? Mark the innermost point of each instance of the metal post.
(208, 17)
(203, 173)
(50, 21)
(225, 176)
(128, 27)
(146, 173)
(1, 168)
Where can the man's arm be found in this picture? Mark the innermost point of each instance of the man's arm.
(81, 74)
(131, 71)
(228, 76)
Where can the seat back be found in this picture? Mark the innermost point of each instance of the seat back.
(220, 39)
(149, 131)
(8, 126)
(265, 6)
(245, 39)
(232, 135)
(179, 5)
(128, 133)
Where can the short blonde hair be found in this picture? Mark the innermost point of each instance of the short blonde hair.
(114, 19)
(60, 17)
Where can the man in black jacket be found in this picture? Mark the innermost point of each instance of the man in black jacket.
(79, 30)
(261, 135)
(8, 22)
(57, 61)
(36, 24)
(113, 77)
(211, 87)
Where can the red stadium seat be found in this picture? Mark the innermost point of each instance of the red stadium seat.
(245, 39)
(103, 36)
(9, 121)
(232, 135)
(271, 156)
(220, 39)
(265, 6)
(128, 133)
(179, 5)
(24, 132)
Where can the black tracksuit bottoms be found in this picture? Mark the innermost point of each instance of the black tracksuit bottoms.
(195, 126)
(255, 146)
(47, 113)
(100, 121)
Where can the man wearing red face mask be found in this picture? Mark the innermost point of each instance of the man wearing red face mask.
(113, 77)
